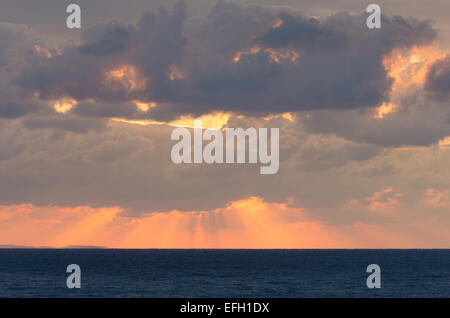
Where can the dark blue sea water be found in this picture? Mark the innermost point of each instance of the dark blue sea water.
(224, 273)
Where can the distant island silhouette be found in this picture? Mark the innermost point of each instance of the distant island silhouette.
(52, 247)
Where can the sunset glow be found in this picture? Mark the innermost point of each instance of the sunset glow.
(248, 223)
(214, 121)
(357, 106)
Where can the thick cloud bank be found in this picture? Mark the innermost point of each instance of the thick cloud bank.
(247, 60)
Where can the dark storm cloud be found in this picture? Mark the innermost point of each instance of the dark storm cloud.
(438, 79)
(339, 65)
(105, 40)
(151, 47)
(16, 47)
(302, 32)
(11, 107)
(16, 42)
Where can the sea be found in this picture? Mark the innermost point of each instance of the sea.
(224, 273)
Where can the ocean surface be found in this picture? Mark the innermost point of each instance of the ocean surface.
(224, 273)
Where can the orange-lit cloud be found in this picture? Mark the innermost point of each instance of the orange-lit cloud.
(410, 67)
(247, 223)
(125, 77)
(216, 120)
(287, 116)
(42, 52)
(64, 105)
(144, 106)
(277, 24)
(175, 73)
(384, 110)
(385, 199)
(436, 198)
(275, 55)
(444, 143)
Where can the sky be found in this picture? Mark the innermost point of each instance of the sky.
(86, 118)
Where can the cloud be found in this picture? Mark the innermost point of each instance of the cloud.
(17, 48)
(69, 160)
(383, 199)
(65, 123)
(105, 39)
(246, 60)
(81, 71)
(437, 198)
(330, 73)
(294, 64)
(419, 124)
(438, 79)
